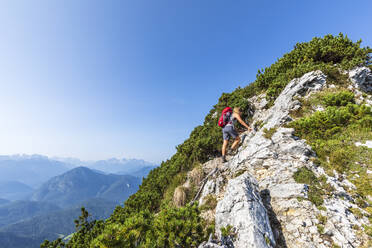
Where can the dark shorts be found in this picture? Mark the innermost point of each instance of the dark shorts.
(229, 131)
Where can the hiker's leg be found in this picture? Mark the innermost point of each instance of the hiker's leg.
(235, 143)
(224, 146)
(235, 135)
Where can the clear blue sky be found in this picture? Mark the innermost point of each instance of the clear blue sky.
(100, 79)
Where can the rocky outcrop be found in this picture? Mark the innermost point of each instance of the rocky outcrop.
(255, 189)
(179, 196)
(242, 198)
(361, 77)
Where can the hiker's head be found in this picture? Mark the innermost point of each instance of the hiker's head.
(237, 110)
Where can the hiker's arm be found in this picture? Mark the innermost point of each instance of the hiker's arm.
(241, 121)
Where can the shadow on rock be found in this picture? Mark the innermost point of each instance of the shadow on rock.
(274, 222)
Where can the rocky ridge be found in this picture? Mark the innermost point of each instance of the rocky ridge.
(256, 193)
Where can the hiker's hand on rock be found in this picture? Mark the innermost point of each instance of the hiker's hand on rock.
(250, 129)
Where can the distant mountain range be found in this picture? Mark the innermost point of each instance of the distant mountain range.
(30, 170)
(83, 183)
(112, 165)
(34, 170)
(67, 190)
(56, 204)
(40, 197)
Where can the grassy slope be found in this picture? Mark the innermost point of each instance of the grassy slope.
(333, 134)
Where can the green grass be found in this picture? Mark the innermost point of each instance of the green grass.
(258, 125)
(268, 133)
(267, 240)
(238, 173)
(227, 231)
(320, 228)
(332, 134)
(306, 176)
(322, 208)
(318, 187)
(368, 229)
(356, 212)
(210, 202)
(338, 96)
(322, 219)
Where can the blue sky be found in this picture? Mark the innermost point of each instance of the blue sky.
(101, 79)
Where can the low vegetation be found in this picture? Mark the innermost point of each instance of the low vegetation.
(239, 173)
(268, 133)
(172, 227)
(318, 54)
(320, 228)
(227, 231)
(318, 187)
(210, 202)
(332, 133)
(258, 125)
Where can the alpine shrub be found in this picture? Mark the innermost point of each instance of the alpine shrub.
(318, 54)
(341, 98)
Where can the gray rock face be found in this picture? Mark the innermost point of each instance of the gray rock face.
(243, 209)
(211, 245)
(288, 190)
(279, 113)
(265, 198)
(209, 188)
(362, 78)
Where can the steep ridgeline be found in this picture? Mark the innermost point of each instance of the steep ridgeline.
(302, 178)
(81, 183)
(270, 159)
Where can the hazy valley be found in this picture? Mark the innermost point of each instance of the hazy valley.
(41, 197)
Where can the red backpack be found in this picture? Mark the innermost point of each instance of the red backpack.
(224, 116)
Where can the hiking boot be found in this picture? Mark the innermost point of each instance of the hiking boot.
(224, 159)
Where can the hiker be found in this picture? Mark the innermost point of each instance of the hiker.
(227, 122)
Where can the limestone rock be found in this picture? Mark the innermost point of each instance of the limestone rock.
(255, 189)
(279, 113)
(179, 197)
(288, 190)
(362, 78)
(210, 245)
(209, 188)
(243, 209)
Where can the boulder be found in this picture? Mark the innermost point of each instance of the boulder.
(361, 77)
(242, 208)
